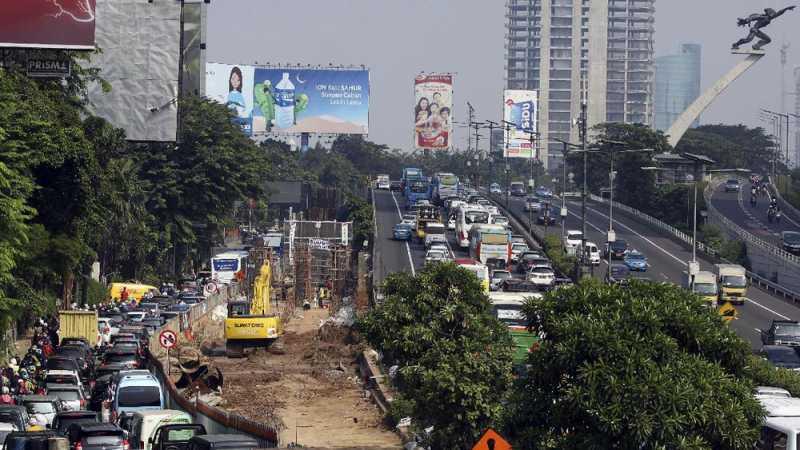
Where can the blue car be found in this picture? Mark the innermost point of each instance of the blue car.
(402, 232)
(635, 261)
(544, 193)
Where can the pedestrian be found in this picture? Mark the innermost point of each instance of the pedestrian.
(124, 294)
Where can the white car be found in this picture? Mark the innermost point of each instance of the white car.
(435, 255)
(495, 189)
(517, 248)
(592, 253)
(542, 276)
(500, 220)
(72, 397)
(533, 205)
(572, 240)
(433, 239)
(136, 316)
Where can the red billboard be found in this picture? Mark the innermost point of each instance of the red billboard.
(58, 24)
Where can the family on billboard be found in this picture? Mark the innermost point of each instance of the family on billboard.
(433, 123)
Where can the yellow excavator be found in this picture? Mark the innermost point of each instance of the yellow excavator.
(250, 323)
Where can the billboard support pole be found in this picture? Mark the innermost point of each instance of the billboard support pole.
(178, 104)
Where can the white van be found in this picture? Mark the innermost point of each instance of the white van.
(136, 392)
(781, 427)
(145, 423)
(592, 253)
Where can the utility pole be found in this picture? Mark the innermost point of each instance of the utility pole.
(471, 118)
(585, 147)
(505, 154)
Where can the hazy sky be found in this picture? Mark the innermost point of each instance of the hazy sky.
(397, 39)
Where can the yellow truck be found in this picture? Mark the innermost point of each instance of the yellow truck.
(79, 324)
(732, 282)
(135, 290)
(705, 285)
(251, 323)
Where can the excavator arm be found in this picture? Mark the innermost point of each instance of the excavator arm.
(260, 305)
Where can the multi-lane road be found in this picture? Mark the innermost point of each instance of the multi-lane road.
(667, 257)
(736, 207)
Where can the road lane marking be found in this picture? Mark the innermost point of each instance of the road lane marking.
(408, 248)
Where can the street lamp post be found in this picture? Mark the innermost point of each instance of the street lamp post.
(505, 155)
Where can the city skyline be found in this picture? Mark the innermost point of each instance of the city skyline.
(399, 48)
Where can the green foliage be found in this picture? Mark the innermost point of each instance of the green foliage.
(399, 408)
(360, 212)
(731, 146)
(735, 252)
(646, 366)
(554, 248)
(454, 357)
(96, 293)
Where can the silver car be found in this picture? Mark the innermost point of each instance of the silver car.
(71, 396)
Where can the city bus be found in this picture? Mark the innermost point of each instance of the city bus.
(490, 244)
(466, 216)
(445, 185)
(417, 190)
(477, 269)
(507, 308)
(226, 267)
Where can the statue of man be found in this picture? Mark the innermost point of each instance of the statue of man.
(757, 22)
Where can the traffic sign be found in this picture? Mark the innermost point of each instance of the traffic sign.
(491, 441)
(728, 312)
(168, 339)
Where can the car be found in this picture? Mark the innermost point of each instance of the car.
(616, 249)
(527, 260)
(592, 253)
(5, 430)
(732, 185)
(435, 255)
(495, 189)
(46, 406)
(781, 356)
(532, 204)
(72, 397)
(617, 273)
(544, 192)
(136, 316)
(635, 261)
(572, 240)
(64, 419)
(517, 189)
(402, 232)
(136, 390)
(97, 436)
(395, 186)
(517, 285)
(548, 215)
(221, 441)
(175, 436)
(782, 332)
(500, 220)
(542, 276)
(497, 278)
(16, 415)
(790, 241)
(517, 248)
(127, 358)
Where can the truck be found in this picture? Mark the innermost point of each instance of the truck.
(705, 285)
(79, 324)
(507, 308)
(732, 282)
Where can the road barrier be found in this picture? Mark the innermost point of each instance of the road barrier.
(786, 293)
(785, 206)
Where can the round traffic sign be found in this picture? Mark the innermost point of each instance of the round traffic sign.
(168, 339)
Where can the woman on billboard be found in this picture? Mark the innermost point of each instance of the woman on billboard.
(235, 98)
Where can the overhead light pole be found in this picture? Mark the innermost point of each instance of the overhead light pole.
(505, 153)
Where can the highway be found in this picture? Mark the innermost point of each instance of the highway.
(736, 207)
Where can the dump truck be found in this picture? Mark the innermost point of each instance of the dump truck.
(705, 285)
(250, 323)
(732, 282)
(79, 324)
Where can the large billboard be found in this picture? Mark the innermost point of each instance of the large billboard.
(433, 111)
(57, 24)
(520, 108)
(232, 85)
(141, 48)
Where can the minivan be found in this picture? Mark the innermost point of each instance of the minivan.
(137, 392)
(518, 189)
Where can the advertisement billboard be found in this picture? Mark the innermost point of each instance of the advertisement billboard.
(310, 101)
(57, 24)
(520, 108)
(232, 85)
(433, 111)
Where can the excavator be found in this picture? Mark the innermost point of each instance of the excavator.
(250, 323)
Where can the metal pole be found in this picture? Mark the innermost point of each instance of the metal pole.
(563, 188)
(611, 199)
(583, 202)
(694, 230)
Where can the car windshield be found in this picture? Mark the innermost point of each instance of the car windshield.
(787, 329)
(104, 440)
(510, 315)
(476, 217)
(705, 288)
(732, 182)
(135, 396)
(544, 270)
(500, 274)
(40, 407)
(435, 254)
(120, 357)
(575, 236)
(735, 281)
(619, 245)
(791, 237)
(519, 247)
(65, 395)
(635, 257)
(783, 355)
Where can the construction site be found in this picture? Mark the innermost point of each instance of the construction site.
(305, 382)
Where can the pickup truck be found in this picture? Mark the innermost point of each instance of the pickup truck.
(175, 437)
(782, 332)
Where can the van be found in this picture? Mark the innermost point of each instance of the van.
(781, 427)
(145, 423)
(137, 392)
(135, 290)
(592, 253)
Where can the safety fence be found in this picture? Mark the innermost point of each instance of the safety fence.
(785, 206)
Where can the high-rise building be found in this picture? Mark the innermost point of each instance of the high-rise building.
(797, 116)
(553, 46)
(677, 84)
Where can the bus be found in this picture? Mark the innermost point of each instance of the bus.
(490, 244)
(409, 174)
(445, 185)
(226, 267)
(507, 308)
(466, 216)
(477, 269)
(417, 190)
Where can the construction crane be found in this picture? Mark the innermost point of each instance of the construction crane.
(250, 323)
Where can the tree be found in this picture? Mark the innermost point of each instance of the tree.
(732, 146)
(646, 366)
(454, 357)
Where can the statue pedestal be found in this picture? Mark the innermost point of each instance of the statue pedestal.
(748, 51)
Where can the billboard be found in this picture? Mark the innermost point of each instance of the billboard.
(141, 49)
(57, 24)
(232, 85)
(433, 111)
(520, 108)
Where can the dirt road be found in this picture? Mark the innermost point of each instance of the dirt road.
(310, 389)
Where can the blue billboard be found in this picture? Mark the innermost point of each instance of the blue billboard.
(310, 101)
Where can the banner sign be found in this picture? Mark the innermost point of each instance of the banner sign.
(56, 24)
(48, 67)
(433, 111)
(520, 108)
(274, 100)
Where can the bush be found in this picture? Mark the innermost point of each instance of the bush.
(399, 408)
(554, 248)
(96, 293)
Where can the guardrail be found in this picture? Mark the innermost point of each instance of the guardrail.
(786, 206)
(755, 279)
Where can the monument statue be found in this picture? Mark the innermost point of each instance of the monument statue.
(757, 22)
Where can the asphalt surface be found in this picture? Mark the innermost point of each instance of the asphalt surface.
(736, 207)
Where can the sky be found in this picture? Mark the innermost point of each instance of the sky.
(398, 39)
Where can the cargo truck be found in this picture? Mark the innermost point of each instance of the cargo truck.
(79, 324)
(705, 285)
(732, 282)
